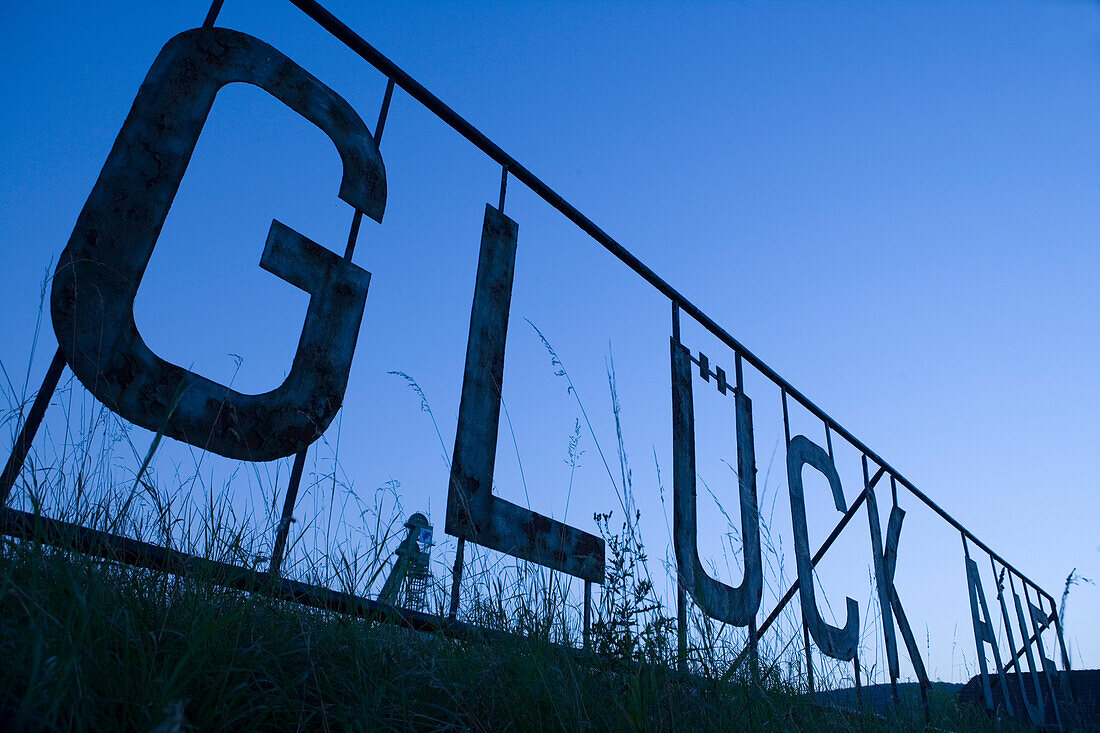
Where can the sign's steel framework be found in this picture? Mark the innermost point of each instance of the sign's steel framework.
(111, 245)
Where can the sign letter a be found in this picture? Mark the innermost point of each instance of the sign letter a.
(984, 634)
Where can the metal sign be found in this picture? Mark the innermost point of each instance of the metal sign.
(100, 272)
(472, 510)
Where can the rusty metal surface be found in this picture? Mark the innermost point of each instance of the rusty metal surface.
(718, 600)
(838, 643)
(984, 634)
(100, 270)
(473, 512)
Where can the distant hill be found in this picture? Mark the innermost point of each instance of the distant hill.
(880, 699)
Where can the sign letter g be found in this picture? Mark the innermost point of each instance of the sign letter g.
(100, 270)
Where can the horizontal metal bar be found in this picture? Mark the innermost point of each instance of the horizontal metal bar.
(414, 89)
(112, 547)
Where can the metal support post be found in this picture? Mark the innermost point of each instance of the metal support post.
(30, 427)
(456, 579)
(212, 14)
(809, 658)
(288, 512)
(681, 628)
(588, 615)
(859, 682)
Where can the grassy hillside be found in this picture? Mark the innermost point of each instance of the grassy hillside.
(88, 645)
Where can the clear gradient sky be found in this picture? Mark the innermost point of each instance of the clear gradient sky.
(896, 205)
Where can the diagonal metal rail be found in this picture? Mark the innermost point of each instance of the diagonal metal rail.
(417, 91)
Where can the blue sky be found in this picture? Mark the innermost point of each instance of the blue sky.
(896, 205)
